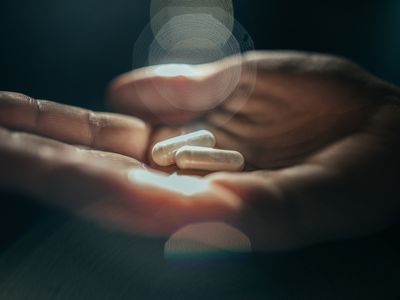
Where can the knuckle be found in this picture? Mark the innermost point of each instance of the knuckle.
(300, 62)
(11, 96)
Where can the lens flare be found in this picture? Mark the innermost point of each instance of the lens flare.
(162, 11)
(205, 241)
(190, 35)
(202, 27)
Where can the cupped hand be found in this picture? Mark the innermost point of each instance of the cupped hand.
(70, 157)
(319, 134)
(79, 160)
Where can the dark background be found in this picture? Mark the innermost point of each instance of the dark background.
(68, 51)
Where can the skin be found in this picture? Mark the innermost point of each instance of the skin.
(319, 134)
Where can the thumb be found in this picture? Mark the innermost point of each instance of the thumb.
(175, 93)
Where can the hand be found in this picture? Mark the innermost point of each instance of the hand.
(79, 160)
(39, 156)
(320, 136)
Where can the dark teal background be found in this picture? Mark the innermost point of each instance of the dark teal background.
(68, 51)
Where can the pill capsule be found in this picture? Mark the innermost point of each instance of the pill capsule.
(163, 153)
(209, 159)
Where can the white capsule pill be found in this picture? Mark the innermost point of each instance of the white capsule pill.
(209, 159)
(163, 153)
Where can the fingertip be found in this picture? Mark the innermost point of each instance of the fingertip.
(122, 134)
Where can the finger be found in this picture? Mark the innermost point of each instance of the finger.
(102, 131)
(94, 184)
(152, 91)
(26, 159)
(143, 97)
(68, 177)
(179, 97)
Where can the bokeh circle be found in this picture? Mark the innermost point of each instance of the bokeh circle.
(185, 46)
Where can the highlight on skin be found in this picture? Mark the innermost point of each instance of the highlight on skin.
(194, 39)
(177, 70)
(179, 184)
